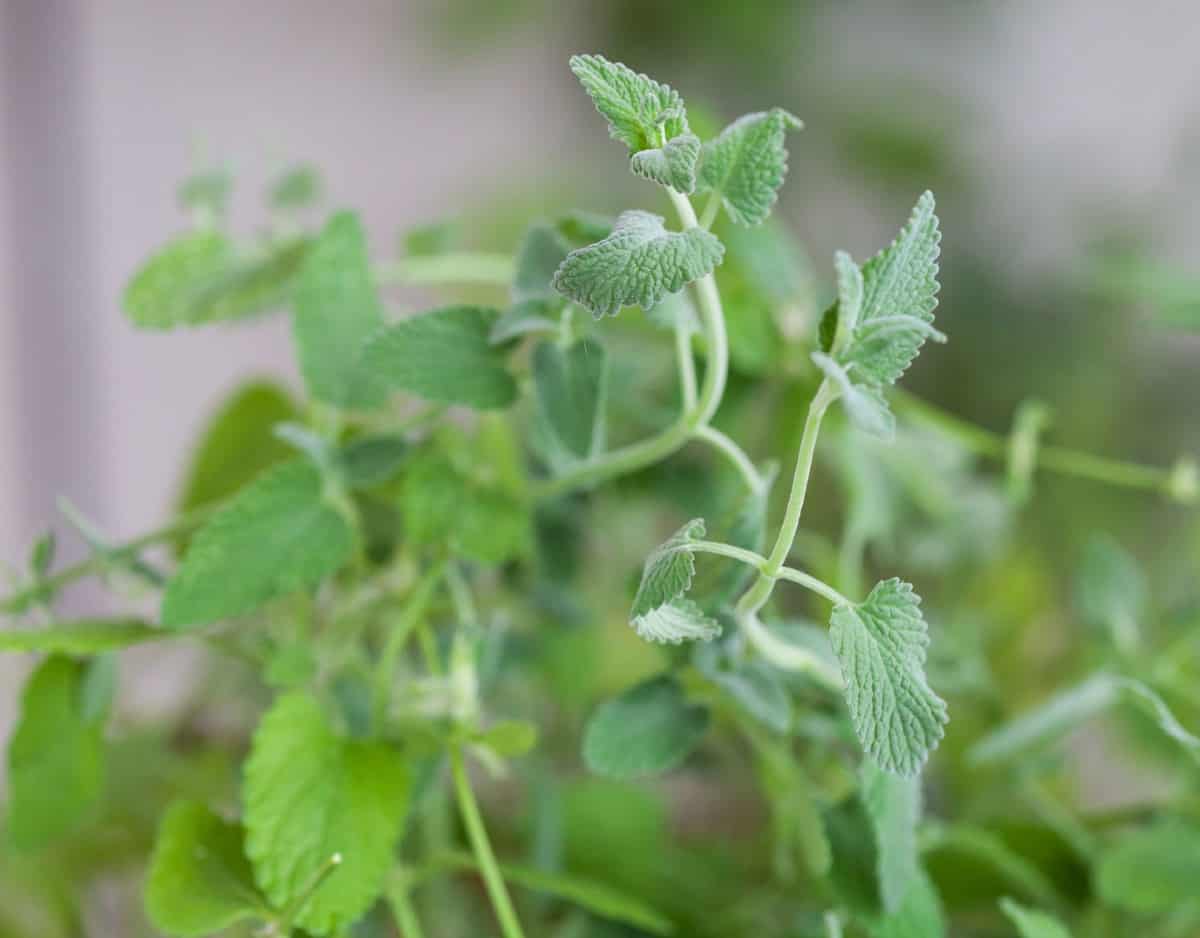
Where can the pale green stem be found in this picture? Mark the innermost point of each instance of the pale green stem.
(735, 454)
(785, 655)
(404, 912)
(721, 549)
(468, 268)
(820, 587)
(510, 927)
(686, 363)
(647, 452)
(710, 211)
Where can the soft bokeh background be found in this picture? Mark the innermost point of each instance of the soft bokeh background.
(1053, 131)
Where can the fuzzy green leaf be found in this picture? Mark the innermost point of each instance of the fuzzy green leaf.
(679, 620)
(638, 264)
(81, 636)
(444, 355)
(199, 880)
(638, 108)
(747, 164)
(202, 277)
(894, 805)
(880, 644)
(336, 310)
(1154, 869)
(572, 389)
(56, 756)
(660, 613)
(918, 916)
(672, 165)
(865, 404)
(278, 535)
(542, 249)
(238, 443)
(1031, 923)
(900, 288)
(311, 796)
(850, 292)
(647, 730)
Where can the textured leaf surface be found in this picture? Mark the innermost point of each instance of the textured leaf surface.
(444, 355)
(747, 164)
(238, 443)
(81, 636)
(277, 536)
(199, 880)
(572, 389)
(666, 576)
(900, 288)
(894, 804)
(635, 106)
(202, 277)
(672, 165)
(1154, 869)
(1031, 923)
(677, 621)
(637, 265)
(880, 644)
(309, 796)
(56, 756)
(865, 405)
(336, 310)
(645, 731)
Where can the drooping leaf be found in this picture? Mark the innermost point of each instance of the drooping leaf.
(747, 164)
(277, 536)
(1031, 923)
(1151, 870)
(679, 620)
(572, 389)
(237, 444)
(637, 108)
(647, 730)
(894, 804)
(918, 916)
(199, 880)
(320, 809)
(444, 355)
(880, 644)
(672, 165)
(336, 310)
(81, 636)
(203, 277)
(638, 264)
(56, 755)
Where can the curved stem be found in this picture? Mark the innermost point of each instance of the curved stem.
(686, 363)
(748, 557)
(482, 847)
(818, 586)
(462, 267)
(735, 454)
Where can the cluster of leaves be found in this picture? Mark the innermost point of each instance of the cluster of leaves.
(402, 603)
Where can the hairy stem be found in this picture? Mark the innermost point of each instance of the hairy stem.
(735, 455)
(510, 927)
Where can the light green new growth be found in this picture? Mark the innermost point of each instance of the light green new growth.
(637, 265)
(745, 166)
(673, 164)
(639, 109)
(881, 646)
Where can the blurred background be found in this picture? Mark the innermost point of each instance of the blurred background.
(1061, 136)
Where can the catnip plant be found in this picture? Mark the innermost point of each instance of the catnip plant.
(361, 563)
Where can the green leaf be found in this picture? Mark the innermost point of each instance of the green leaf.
(672, 165)
(542, 249)
(309, 797)
(371, 460)
(238, 444)
(202, 277)
(524, 318)
(597, 898)
(444, 355)
(81, 636)
(747, 164)
(508, 738)
(647, 730)
(756, 687)
(660, 613)
(966, 841)
(56, 756)
(336, 310)
(637, 265)
(918, 916)
(900, 290)
(199, 880)
(1032, 923)
(865, 405)
(638, 108)
(298, 187)
(1111, 591)
(881, 644)
(1152, 870)
(278, 535)
(572, 389)
(894, 805)
(850, 292)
